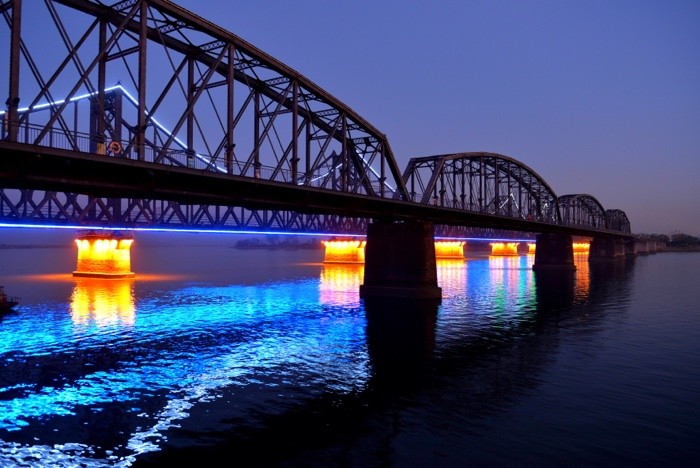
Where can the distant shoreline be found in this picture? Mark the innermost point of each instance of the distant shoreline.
(30, 246)
(257, 244)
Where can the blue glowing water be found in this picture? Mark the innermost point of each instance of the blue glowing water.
(213, 353)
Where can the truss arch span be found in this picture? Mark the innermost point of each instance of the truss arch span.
(582, 210)
(617, 221)
(482, 182)
(198, 97)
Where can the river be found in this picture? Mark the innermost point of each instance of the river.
(217, 355)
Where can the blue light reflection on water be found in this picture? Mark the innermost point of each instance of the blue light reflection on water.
(98, 374)
(155, 353)
(176, 346)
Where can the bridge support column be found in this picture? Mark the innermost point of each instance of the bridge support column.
(554, 252)
(606, 248)
(400, 261)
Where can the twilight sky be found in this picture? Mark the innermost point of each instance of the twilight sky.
(599, 97)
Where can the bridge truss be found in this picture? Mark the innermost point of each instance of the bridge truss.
(231, 108)
(62, 209)
(482, 182)
(147, 84)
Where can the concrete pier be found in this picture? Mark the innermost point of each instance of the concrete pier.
(400, 261)
(104, 255)
(554, 252)
(606, 248)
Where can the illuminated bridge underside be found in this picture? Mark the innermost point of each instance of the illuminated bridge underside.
(38, 207)
(145, 114)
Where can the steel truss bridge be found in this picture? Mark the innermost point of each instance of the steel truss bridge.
(139, 113)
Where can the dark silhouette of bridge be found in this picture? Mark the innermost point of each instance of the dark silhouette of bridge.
(144, 114)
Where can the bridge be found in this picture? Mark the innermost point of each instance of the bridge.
(140, 113)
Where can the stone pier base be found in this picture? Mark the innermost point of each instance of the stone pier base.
(554, 252)
(606, 248)
(400, 261)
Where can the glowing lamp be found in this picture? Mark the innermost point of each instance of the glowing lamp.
(344, 251)
(531, 248)
(504, 248)
(104, 256)
(449, 249)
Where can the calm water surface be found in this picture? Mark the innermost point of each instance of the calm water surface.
(213, 354)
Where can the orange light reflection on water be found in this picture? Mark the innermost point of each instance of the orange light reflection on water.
(102, 301)
(452, 276)
(339, 281)
(583, 276)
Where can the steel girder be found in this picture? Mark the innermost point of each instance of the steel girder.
(582, 210)
(481, 182)
(48, 208)
(72, 209)
(227, 106)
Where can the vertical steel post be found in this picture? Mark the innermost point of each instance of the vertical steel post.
(308, 150)
(442, 185)
(190, 114)
(482, 191)
(230, 110)
(13, 98)
(141, 123)
(453, 195)
(382, 168)
(295, 127)
(101, 79)
(520, 198)
(463, 182)
(344, 166)
(256, 136)
(75, 122)
(496, 182)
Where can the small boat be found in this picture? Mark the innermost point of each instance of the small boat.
(7, 303)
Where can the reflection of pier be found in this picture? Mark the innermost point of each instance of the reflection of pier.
(103, 302)
(400, 338)
(340, 280)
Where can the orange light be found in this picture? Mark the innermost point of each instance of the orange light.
(580, 247)
(348, 251)
(103, 302)
(531, 248)
(341, 282)
(104, 256)
(504, 248)
(449, 249)
(583, 279)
